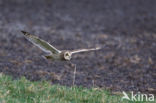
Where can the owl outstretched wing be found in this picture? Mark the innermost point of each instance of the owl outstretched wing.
(43, 45)
(84, 50)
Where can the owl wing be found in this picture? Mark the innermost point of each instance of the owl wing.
(84, 50)
(43, 45)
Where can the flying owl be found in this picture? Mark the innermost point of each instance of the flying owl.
(53, 53)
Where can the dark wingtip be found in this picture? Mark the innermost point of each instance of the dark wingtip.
(24, 32)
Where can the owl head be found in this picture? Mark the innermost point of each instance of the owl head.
(67, 55)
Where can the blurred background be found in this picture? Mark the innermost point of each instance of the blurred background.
(125, 29)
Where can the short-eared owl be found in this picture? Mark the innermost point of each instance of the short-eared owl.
(53, 53)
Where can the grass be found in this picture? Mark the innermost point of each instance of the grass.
(25, 91)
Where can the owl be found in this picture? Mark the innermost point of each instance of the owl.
(53, 53)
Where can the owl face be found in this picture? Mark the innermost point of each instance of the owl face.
(67, 55)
